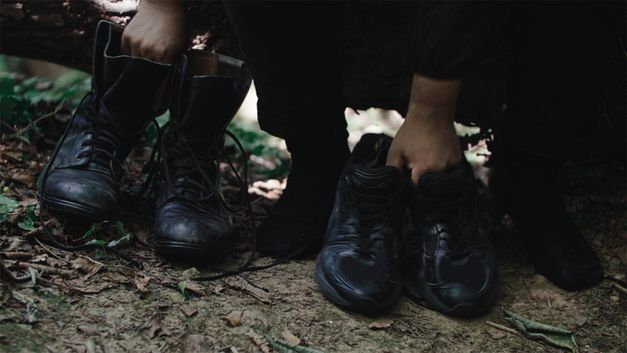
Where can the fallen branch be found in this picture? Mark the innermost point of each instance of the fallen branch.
(620, 288)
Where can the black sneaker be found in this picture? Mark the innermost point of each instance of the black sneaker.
(358, 266)
(457, 272)
(82, 178)
(528, 189)
(192, 218)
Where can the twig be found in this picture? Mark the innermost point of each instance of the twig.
(7, 275)
(501, 327)
(44, 268)
(620, 288)
(49, 251)
(16, 255)
(34, 122)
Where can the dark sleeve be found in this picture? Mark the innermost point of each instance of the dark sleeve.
(451, 37)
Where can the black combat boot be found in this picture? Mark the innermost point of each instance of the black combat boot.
(456, 273)
(192, 219)
(82, 178)
(528, 189)
(358, 266)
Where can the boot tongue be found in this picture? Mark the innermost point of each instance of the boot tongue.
(448, 184)
(135, 91)
(210, 107)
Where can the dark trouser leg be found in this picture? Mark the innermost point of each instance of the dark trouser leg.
(291, 49)
(560, 54)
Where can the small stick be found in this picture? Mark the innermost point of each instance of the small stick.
(16, 255)
(501, 327)
(44, 268)
(620, 288)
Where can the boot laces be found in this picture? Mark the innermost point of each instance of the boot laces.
(105, 140)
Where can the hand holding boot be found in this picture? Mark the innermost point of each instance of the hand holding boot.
(157, 32)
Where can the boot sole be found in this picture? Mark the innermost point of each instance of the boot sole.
(74, 210)
(185, 251)
(372, 308)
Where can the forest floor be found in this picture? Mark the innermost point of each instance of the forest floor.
(94, 301)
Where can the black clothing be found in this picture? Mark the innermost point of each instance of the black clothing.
(557, 54)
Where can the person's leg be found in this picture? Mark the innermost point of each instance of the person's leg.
(559, 60)
(291, 50)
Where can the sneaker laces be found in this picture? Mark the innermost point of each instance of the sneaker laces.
(373, 212)
(459, 214)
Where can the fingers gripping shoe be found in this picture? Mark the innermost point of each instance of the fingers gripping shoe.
(192, 219)
(457, 271)
(82, 177)
(357, 267)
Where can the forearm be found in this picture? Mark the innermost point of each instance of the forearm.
(432, 100)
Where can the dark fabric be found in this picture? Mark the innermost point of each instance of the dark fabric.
(557, 55)
(452, 37)
(291, 48)
(558, 61)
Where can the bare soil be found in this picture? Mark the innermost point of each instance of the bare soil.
(82, 304)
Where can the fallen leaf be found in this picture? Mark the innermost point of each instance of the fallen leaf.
(259, 341)
(380, 324)
(495, 334)
(233, 319)
(141, 283)
(25, 179)
(87, 265)
(154, 328)
(290, 338)
(189, 310)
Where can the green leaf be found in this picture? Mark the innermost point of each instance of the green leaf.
(93, 229)
(183, 288)
(97, 242)
(33, 275)
(26, 224)
(7, 206)
(555, 336)
(99, 254)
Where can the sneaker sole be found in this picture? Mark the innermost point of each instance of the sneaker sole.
(464, 309)
(74, 210)
(373, 307)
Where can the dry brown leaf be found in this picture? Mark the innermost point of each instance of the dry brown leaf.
(290, 338)
(86, 265)
(22, 178)
(87, 330)
(233, 319)
(189, 310)
(195, 288)
(495, 334)
(81, 286)
(380, 324)
(259, 341)
(141, 283)
(154, 327)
